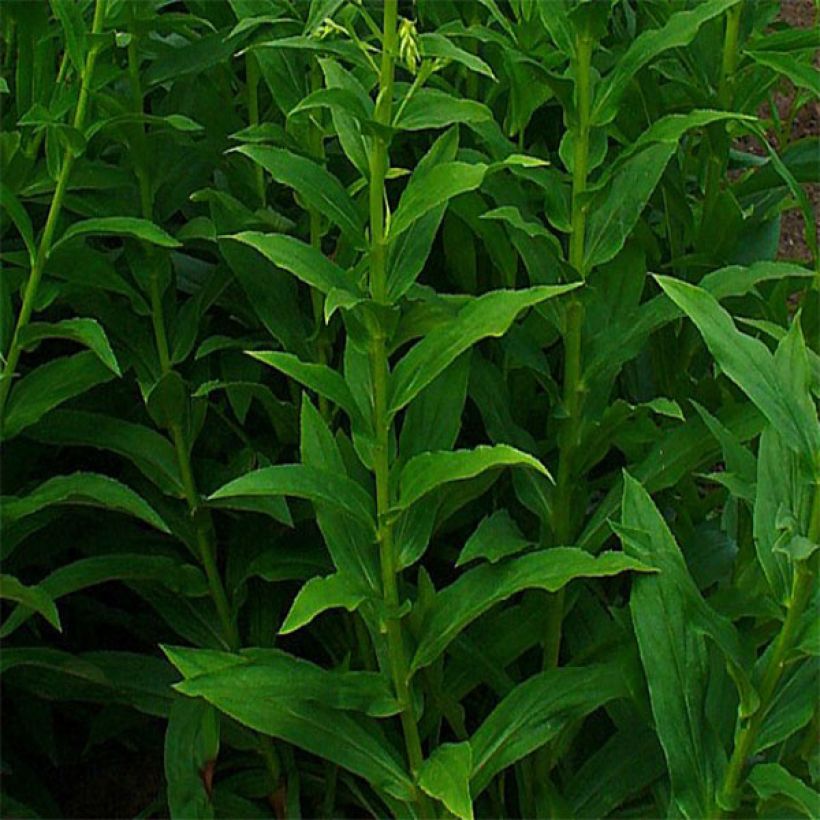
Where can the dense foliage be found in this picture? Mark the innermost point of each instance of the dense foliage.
(404, 412)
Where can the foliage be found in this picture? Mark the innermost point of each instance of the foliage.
(449, 425)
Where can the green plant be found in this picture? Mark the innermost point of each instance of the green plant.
(449, 425)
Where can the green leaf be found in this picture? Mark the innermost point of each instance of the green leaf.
(431, 108)
(22, 221)
(677, 667)
(85, 489)
(320, 594)
(802, 74)
(678, 31)
(49, 385)
(437, 45)
(489, 315)
(426, 472)
(87, 332)
(445, 775)
(301, 481)
(319, 188)
(615, 210)
(291, 699)
(34, 597)
(772, 781)
(149, 451)
(182, 579)
(478, 589)
(304, 261)
(70, 15)
(750, 365)
(191, 745)
(319, 377)
(535, 712)
(431, 187)
(117, 226)
(496, 537)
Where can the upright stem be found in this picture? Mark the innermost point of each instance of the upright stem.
(802, 589)
(201, 518)
(380, 370)
(563, 524)
(717, 132)
(252, 86)
(33, 284)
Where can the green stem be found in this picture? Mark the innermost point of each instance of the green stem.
(399, 668)
(717, 132)
(36, 275)
(201, 518)
(802, 590)
(563, 524)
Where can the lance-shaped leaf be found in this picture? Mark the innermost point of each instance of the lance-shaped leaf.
(432, 186)
(34, 598)
(304, 261)
(535, 712)
(149, 451)
(802, 74)
(489, 315)
(496, 537)
(191, 746)
(675, 658)
(320, 594)
(679, 30)
(428, 471)
(317, 186)
(771, 781)
(85, 489)
(49, 385)
(302, 704)
(615, 210)
(750, 365)
(301, 481)
(431, 108)
(459, 604)
(22, 221)
(118, 226)
(86, 332)
(319, 377)
(445, 775)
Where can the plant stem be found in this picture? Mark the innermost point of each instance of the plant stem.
(717, 132)
(36, 275)
(563, 524)
(381, 422)
(802, 590)
(201, 518)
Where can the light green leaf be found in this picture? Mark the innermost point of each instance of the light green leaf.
(84, 489)
(478, 589)
(301, 481)
(34, 598)
(772, 781)
(50, 385)
(116, 226)
(802, 74)
(674, 656)
(445, 775)
(191, 743)
(320, 594)
(748, 363)
(428, 471)
(437, 45)
(304, 261)
(319, 188)
(680, 29)
(87, 332)
(431, 108)
(489, 315)
(496, 537)
(431, 187)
